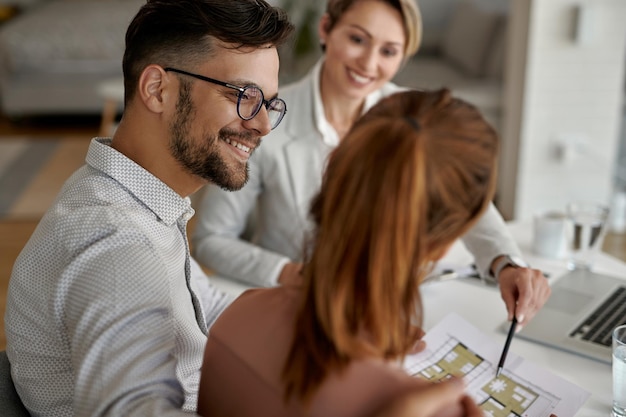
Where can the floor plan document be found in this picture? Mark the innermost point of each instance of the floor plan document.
(456, 347)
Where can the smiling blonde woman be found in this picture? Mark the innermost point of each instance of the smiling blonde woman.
(256, 235)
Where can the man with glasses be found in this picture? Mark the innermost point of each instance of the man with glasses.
(250, 99)
(107, 314)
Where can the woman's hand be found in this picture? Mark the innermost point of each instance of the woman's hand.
(524, 291)
(445, 398)
(419, 344)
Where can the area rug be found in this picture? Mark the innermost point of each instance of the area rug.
(33, 170)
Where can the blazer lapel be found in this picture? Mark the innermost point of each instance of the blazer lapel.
(305, 154)
(305, 159)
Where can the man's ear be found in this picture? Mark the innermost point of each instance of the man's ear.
(154, 88)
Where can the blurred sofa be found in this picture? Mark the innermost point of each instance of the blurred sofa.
(463, 49)
(56, 53)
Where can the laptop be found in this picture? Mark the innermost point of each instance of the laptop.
(580, 314)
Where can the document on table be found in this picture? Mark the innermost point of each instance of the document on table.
(456, 347)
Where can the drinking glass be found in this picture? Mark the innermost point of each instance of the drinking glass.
(585, 232)
(619, 371)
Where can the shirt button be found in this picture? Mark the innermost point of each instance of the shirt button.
(187, 216)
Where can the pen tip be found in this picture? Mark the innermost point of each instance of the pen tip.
(498, 372)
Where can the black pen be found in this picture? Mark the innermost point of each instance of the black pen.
(509, 337)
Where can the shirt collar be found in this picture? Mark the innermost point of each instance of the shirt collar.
(328, 132)
(329, 135)
(168, 205)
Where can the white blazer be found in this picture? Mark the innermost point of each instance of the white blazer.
(285, 173)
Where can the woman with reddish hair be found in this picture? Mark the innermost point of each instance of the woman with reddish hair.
(414, 174)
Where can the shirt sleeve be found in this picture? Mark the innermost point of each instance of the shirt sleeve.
(121, 343)
(218, 241)
(214, 301)
(488, 239)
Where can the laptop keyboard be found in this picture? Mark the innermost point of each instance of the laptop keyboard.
(598, 326)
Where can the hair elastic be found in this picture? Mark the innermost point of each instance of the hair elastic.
(413, 122)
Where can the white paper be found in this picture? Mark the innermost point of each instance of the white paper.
(454, 346)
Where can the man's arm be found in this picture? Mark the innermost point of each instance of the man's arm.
(120, 332)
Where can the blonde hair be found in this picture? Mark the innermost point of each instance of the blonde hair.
(410, 177)
(411, 18)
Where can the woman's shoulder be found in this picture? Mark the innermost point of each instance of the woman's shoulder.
(280, 296)
(257, 329)
(296, 87)
(391, 88)
(257, 306)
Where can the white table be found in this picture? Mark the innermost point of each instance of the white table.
(482, 306)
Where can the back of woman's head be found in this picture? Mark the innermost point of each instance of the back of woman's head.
(411, 18)
(409, 178)
(452, 153)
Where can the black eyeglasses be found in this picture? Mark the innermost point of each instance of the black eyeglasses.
(249, 100)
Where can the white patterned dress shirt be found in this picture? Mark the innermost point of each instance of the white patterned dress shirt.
(107, 313)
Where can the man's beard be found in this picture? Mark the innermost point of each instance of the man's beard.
(202, 158)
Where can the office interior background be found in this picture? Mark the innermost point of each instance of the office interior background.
(548, 74)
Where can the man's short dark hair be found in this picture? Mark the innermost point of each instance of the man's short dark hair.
(181, 32)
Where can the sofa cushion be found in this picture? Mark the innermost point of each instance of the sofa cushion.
(432, 73)
(469, 37)
(496, 54)
(67, 36)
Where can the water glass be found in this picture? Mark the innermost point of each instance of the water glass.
(585, 232)
(619, 371)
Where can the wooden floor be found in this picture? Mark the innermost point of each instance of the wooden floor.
(14, 234)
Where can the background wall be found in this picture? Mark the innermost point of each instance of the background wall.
(563, 103)
(560, 110)
(436, 14)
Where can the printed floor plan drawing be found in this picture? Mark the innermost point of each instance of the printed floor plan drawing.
(508, 395)
(505, 396)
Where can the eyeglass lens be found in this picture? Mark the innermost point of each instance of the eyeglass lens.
(250, 102)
